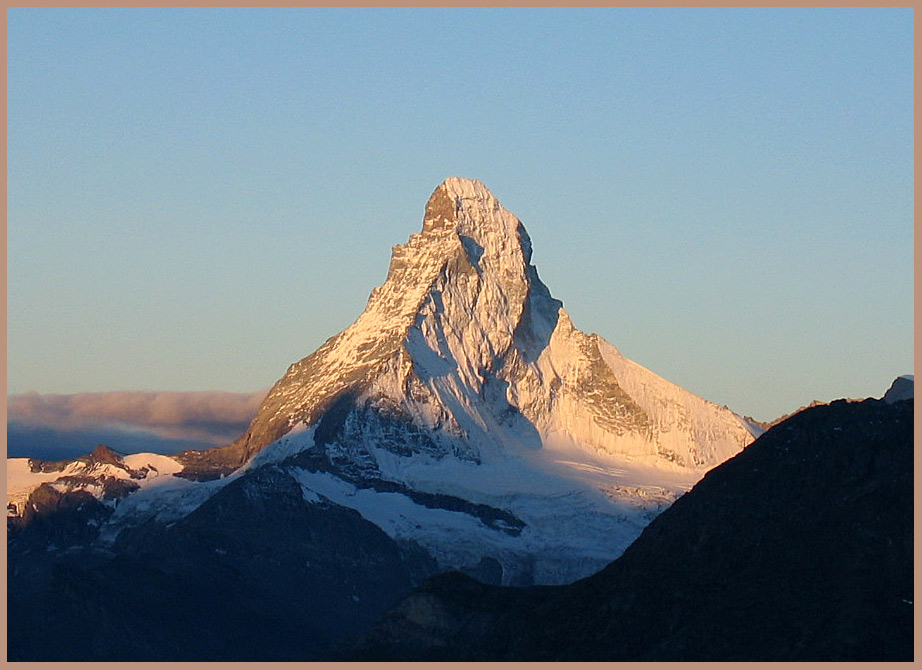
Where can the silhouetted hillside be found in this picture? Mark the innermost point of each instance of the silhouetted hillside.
(799, 548)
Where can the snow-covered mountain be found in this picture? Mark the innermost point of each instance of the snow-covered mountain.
(465, 343)
(463, 412)
(106, 475)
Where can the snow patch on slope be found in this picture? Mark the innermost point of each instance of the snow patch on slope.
(143, 470)
(166, 500)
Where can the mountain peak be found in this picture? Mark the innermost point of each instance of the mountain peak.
(449, 197)
(468, 208)
(103, 454)
(902, 388)
(464, 349)
(460, 188)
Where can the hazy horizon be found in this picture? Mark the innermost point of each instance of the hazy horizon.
(198, 198)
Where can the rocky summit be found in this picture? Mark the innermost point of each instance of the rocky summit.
(463, 421)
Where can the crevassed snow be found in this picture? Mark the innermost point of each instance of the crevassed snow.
(579, 514)
(295, 441)
(566, 538)
(166, 499)
(21, 481)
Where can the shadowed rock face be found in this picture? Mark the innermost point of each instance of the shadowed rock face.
(902, 388)
(800, 548)
(57, 519)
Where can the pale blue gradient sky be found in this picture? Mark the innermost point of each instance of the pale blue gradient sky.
(199, 197)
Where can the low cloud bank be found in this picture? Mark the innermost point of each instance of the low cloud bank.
(199, 419)
(49, 444)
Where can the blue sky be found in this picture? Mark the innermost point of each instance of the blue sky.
(199, 197)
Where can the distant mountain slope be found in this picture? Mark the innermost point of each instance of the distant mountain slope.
(799, 548)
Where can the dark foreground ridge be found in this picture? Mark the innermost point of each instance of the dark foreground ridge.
(799, 548)
(256, 573)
